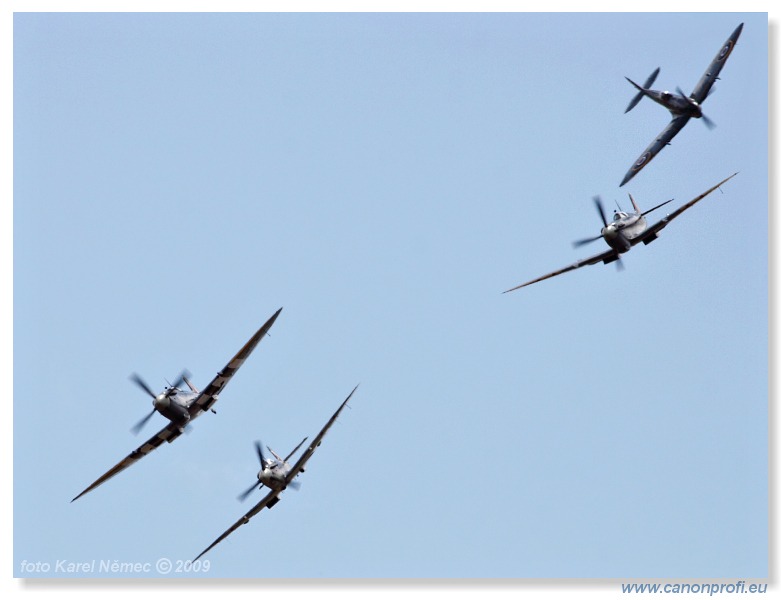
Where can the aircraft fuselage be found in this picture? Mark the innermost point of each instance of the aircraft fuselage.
(675, 103)
(274, 476)
(173, 406)
(624, 228)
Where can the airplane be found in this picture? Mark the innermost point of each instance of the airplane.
(277, 474)
(681, 106)
(181, 407)
(626, 230)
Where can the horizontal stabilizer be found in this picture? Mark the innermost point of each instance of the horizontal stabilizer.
(641, 90)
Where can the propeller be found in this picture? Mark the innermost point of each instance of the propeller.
(261, 458)
(140, 425)
(135, 377)
(170, 390)
(180, 380)
(243, 496)
(579, 243)
(601, 211)
(708, 123)
(683, 95)
(258, 485)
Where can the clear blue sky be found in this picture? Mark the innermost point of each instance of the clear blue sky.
(384, 177)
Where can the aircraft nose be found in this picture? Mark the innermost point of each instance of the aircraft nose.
(161, 402)
(609, 232)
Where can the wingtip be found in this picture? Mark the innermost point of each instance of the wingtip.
(517, 287)
(273, 318)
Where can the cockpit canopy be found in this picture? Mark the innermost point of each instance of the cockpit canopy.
(618, 215)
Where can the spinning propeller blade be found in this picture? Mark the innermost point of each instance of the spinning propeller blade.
(140, 425)
(181, 379)
(261, 458)
(708, 123)
(136, 378)
(600, 210)
(243, 496)
(682, 95)
(579, 243)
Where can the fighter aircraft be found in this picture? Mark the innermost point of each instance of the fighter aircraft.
(277, 474)
(681, 106)
(626, 230)
(181, 407)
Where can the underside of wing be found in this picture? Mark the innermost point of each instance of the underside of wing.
(606, 257)
(310, 449)
(269, 500)
(208, 396)
(664, 138)
(652, 232)
(700, 91)
(167, 434)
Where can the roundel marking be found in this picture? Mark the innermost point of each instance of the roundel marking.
(641, 161)
(725, 50)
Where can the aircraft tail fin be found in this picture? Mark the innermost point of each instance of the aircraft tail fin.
(634, 204)
(641, 90)
(189, 384)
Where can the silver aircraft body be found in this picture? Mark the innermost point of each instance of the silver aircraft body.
(277, 474)
(626, 230)
(681, 106)
(181, 407)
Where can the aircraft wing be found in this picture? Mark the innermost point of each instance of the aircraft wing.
(662, 140)
(209, 394)
(700, 91)
(606, 257)
(269, 499)
(167, 434)
(273, 496)
(652, 232)
(310, 450)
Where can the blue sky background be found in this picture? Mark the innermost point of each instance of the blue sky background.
(384, 177)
